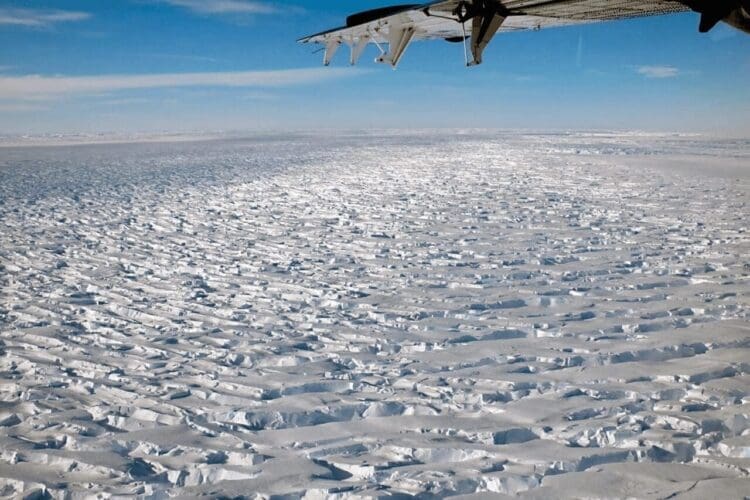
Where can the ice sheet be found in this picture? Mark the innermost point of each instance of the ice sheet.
(432, 313)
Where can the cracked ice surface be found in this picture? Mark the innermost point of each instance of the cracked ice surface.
(371, 315)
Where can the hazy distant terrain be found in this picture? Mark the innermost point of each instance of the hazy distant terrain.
(433, 314)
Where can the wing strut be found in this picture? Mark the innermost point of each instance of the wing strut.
(466, 54)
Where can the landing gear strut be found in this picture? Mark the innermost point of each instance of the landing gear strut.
(486, 17)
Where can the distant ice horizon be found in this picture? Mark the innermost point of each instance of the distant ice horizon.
(16, 139)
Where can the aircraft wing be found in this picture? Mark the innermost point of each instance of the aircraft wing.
(475, 20)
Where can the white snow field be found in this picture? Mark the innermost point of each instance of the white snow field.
(374, 315)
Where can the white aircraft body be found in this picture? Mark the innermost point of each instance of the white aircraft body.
(393, 28)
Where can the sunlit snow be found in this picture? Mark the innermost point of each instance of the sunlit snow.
(431, 314)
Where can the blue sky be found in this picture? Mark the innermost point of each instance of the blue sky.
(192, 65)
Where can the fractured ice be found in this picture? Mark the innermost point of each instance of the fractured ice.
(430, 314)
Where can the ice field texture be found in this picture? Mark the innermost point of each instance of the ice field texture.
(374, 315)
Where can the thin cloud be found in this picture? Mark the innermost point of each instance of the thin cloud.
(225, 6)
(36, 86)
(181, 57)
(35, 18)
(658, 71)
(126, 101)
(19, 107)
(259, 96)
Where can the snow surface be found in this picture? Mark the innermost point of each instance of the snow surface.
(432, 314)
